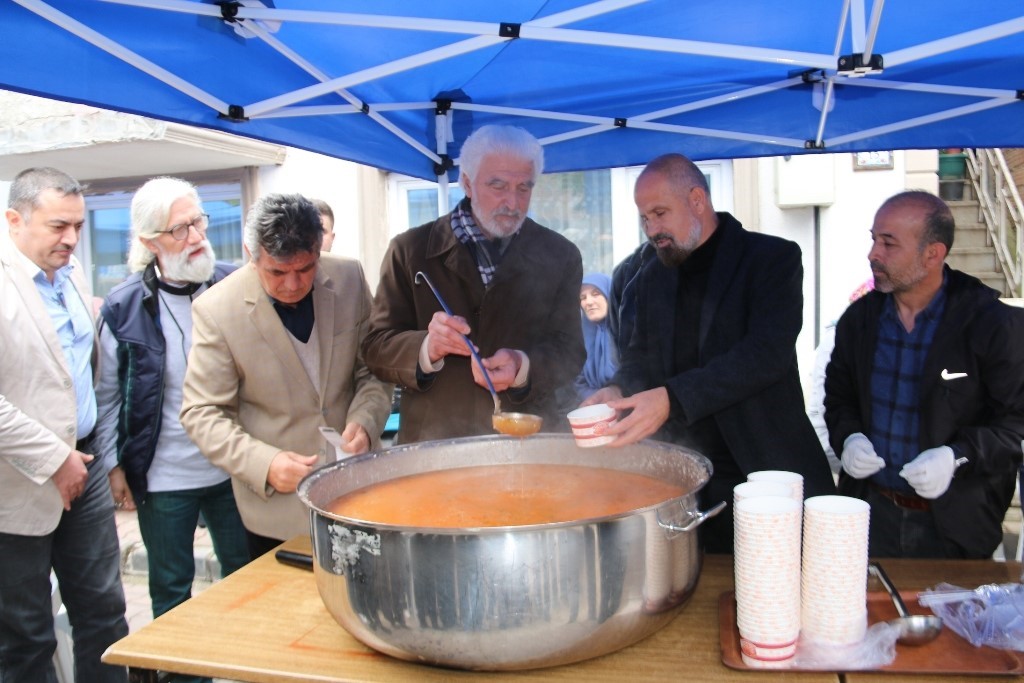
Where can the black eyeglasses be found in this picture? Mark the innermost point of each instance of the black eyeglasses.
(180, 231)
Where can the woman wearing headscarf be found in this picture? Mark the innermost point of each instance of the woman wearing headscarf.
(602, 356)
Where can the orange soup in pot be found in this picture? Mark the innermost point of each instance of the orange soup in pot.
(503, 495)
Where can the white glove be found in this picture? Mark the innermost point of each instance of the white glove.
(859, 458)
(931, 471)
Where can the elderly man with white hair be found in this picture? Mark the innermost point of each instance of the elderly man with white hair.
(145, 337)
(512, 285)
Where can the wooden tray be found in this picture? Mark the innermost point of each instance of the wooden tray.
(947, 654)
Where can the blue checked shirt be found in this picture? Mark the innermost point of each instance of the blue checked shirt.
(896, 388)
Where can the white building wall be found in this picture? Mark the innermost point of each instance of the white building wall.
(845, 215)
(332, 180)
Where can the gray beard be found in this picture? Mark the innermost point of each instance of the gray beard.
(491, 229)
(179, 268)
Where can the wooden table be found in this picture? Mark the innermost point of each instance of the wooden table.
(266, 622)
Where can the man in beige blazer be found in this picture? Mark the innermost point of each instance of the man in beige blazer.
(56, 510)
(275, 355)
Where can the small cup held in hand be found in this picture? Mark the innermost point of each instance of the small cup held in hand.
(590, 424)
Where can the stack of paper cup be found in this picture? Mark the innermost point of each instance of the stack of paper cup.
(794, 481)
(749, 489)
(767, 568)
(835, 570)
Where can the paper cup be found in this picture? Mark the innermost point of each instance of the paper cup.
(749, 489)
(590, 423)
(794, 481)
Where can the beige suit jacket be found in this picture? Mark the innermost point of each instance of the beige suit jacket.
(247, 396)
(38, 409)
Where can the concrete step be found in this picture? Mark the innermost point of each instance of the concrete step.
(971, 236)
(974, 260)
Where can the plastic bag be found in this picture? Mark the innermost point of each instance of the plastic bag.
(877, 649)
(990, 615)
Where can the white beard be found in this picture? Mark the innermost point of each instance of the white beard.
(180, 268)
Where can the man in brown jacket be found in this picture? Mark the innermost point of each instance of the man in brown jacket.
(512, 285)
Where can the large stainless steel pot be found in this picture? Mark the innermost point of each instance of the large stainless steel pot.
(511, 597)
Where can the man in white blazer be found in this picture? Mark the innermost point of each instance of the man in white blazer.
(276, 355)
(56, 509)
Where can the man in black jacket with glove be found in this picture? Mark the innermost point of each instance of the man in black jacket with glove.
(924, 394)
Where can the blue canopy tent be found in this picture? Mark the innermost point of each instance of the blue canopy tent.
(398, 85)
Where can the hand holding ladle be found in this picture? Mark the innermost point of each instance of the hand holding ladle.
(514, 424)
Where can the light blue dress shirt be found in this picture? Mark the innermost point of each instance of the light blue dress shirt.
(74, 328)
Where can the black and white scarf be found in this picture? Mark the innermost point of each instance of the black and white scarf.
(487, 253)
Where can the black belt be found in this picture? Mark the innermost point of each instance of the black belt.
(910, 501)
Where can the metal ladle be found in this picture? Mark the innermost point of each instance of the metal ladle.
(914, 629)
(512, 424)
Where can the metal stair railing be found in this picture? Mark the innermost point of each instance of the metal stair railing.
(1000, 210)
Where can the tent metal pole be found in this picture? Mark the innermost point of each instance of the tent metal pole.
(876, 19)
(442, 130)
(602, 121)
(721, 99)
(837, 50)
(590, 11)
(857, 25)
(339, 109)
(479, 28)
(531, 113)
(920, 121)
(573, 135)
(673, 111)
(966, 91)
(723, 134)
(826, 106)
(315, 17)
(674, 45)
(259, 30)
(124, 54)
(956, 42)
(682, 130)
(380, 71)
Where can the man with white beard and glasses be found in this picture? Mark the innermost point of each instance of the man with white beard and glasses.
(145, 337)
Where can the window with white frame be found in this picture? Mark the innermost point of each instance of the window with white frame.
(594, 209)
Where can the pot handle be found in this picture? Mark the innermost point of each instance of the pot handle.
(696, 518)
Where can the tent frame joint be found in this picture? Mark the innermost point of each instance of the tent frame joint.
(809, 76)
(236, 113)
(442, 167)
(509, 30)
(442, 107)
(229, 10)
(620, 122)
(854, 65)
(1020, 94)
(813, 144)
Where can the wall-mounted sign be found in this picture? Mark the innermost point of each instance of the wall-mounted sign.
(872, 161)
